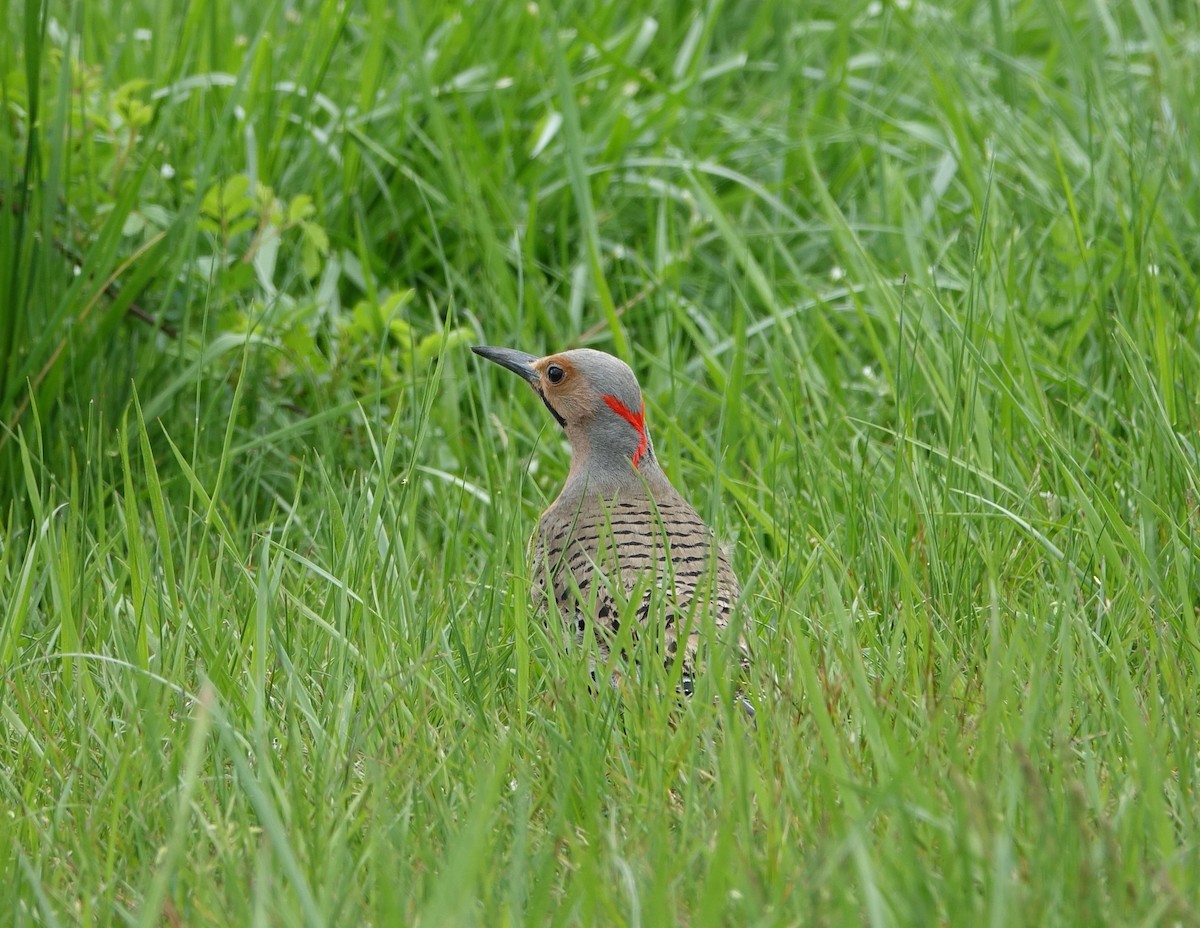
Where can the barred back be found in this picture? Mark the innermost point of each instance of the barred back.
(595, 556)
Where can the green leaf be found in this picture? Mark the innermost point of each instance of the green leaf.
(315, 246)
(135, 222)
(227, 201)
(300, 208)
(395, 302)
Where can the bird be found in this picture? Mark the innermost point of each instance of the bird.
(619, 542)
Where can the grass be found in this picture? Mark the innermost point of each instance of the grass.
(911, 290)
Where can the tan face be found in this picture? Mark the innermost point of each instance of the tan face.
(583, 390)
(592, 395)
(564, 390)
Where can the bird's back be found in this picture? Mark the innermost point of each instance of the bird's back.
(641, 552)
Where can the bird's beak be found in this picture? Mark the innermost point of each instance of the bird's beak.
(516, 361)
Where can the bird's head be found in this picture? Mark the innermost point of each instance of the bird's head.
(593, 396)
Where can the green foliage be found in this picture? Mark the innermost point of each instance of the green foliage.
(152, 247)
(912, 292)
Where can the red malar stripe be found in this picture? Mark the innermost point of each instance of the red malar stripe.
(636, 419)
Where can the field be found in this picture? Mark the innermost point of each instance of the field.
(911, 289)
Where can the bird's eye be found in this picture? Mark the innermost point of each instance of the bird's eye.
(555, 374)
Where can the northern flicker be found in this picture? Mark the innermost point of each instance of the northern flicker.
(619, 540)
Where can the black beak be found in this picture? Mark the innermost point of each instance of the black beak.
(519, 363)
(516, 361)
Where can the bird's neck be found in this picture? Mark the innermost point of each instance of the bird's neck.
(595, 474)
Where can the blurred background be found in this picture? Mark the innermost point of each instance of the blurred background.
(911, 289)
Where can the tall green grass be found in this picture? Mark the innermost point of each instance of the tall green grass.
(912, 293)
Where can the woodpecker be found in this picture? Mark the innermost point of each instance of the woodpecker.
(619, 543)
